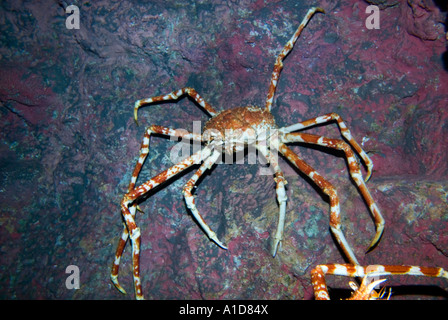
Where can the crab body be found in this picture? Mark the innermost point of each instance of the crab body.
(239, 127)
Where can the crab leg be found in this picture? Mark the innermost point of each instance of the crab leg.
(174, 96)
(189, 198)
(349, 270)
(328, 189)
(354, 170)
(287, 48)
(144, 150)
(344, 131)
(135, 194)
(119, 253)
(281, 195)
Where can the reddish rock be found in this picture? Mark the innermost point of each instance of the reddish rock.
(69, 143)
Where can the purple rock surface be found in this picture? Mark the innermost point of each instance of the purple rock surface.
(69, 143)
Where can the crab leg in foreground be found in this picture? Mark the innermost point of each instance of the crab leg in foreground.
(232, 131)
(366, 290)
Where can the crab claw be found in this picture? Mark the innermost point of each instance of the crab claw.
(114, 280)
(277, 246)
(216, 240)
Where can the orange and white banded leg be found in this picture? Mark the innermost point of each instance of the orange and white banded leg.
(174, 96)
(354, 170)
(365, 291)
(344, 131)
(189, 198)
(281, 195)
(329, 190)
(119, 252)
(127, 207)
(144, 150)
(286, 49)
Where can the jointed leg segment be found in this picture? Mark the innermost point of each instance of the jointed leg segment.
(354, 170)
(329, 190)
(144, 150)
(128, 205)
(344, 131)
(189, 198)
(281, 195)
(131, 197)
(287, 48)
(174, 96)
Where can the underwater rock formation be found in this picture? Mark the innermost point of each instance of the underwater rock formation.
(69, 142)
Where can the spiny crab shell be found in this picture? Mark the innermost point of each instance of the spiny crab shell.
(239, 127)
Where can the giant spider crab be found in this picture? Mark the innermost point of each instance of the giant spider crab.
(233, 130)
